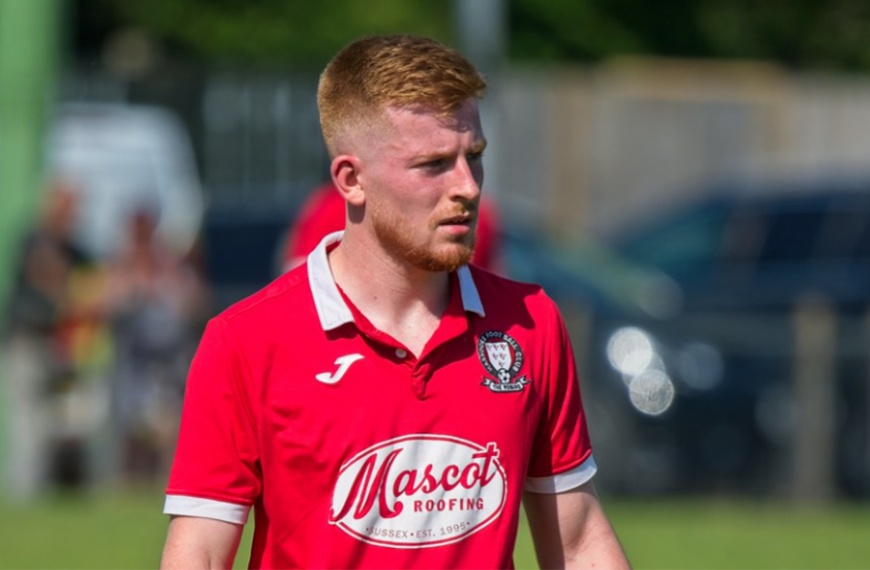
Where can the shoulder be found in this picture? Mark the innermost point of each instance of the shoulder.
(489, 283)
(278, 301)
(502, 294)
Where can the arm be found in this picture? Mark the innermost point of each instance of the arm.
(194, 543)
(570, 530)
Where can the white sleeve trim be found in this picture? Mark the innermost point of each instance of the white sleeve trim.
(563, 481)
(205, 508)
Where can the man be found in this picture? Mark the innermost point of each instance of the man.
(324, 212)
(43, 339)
(384, 404)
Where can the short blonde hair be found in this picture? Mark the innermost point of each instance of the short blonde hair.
(374, 72)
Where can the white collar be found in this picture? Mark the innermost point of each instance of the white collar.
(331, 308)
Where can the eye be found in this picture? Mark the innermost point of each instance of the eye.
(474, 156)
(435, 164)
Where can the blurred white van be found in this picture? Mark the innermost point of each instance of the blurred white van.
(121, 158)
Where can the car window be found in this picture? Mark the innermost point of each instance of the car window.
(845, 234)
(748, 240)
(683, 249)
(819, 231)
(791, 236)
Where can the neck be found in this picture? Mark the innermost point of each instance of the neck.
(404, 301)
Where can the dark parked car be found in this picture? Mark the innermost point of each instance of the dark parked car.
(688, 335)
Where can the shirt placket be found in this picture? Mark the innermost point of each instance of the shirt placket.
(453, 325)
(420, 369)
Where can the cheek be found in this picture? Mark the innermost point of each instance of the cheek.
(418, 200)
(408, 193)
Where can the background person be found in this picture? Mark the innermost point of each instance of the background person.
(155, 300)
(52, 345)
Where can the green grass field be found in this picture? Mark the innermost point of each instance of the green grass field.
(128, 531)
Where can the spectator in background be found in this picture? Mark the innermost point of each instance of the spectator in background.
(324, 212)
(155, 300)
(47, 340)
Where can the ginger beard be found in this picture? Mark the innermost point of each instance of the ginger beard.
(449, 253)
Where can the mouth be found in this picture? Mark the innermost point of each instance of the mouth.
(459, 227)
(459, 220)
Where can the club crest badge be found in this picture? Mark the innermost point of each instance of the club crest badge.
(502, 357)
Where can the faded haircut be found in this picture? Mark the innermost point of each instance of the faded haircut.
(375, 72)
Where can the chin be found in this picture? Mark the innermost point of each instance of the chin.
(455, 256)
(449, 259)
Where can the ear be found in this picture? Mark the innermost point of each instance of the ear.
(345, 170)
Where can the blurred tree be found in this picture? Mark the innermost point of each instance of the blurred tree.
(272, 33)
(800, 33)
(828, 34)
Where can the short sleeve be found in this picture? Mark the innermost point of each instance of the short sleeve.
(216, 471)
(562, 455)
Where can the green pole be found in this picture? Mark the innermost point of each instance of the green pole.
(28, 57)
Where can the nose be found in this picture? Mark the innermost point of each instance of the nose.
(469, 180)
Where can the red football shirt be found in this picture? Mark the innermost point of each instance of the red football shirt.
(354, 452)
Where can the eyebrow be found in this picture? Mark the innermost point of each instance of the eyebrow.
(477, 146)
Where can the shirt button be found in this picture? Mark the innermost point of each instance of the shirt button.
(401, 353)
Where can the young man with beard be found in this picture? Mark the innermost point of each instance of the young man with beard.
(384, 404)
